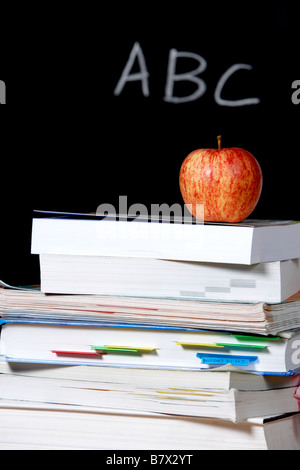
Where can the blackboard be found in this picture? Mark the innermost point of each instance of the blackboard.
(110, 103)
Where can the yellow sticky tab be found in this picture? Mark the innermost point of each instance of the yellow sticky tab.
(139, 348)
(207, 345)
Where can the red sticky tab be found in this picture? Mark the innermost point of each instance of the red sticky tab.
(76, 353)
(297, 395)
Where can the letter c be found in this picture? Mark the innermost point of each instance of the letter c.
(234, 68)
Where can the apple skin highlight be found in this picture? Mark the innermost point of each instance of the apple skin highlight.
(227, 181)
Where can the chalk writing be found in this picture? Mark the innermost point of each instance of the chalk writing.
(188, 76)
(173, 77)
(143, 75)
(224, 78)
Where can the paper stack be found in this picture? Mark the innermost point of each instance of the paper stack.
(169, 336)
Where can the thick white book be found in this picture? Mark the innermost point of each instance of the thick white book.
(232, 404)
(248, 242)
(121, 345)
(151, 277)
(30, 425)
(256, 318)
(221, 378)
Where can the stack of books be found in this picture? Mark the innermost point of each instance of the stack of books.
(149, 335)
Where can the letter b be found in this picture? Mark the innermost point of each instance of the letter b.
(191, 76)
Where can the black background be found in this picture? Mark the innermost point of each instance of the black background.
(69, 144)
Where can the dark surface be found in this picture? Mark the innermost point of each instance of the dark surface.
(69, 143)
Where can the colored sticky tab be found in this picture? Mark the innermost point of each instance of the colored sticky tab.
(138, 348)
(115, 349)
(110, 347)
(297, 394)
(220, 345)
(223, 359)
(196, 345)
(241, 345)
(254, 338)
(61, 352)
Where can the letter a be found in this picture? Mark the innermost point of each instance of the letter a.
(142, 75)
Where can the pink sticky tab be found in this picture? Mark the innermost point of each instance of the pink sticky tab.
(297, 395)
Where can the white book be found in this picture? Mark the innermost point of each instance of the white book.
(29, 425)
(245, 243)
(232, 404)
(150, 277)
(121, 345)
(257, 318)
(221, 378)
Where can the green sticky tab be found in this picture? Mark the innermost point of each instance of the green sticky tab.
(242, 346)
(109, 349)
(255, 338)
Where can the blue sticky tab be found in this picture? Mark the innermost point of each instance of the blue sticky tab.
(222, 359)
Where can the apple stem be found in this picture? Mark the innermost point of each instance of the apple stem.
(219, 141)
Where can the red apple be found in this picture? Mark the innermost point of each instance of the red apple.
(227, 181)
